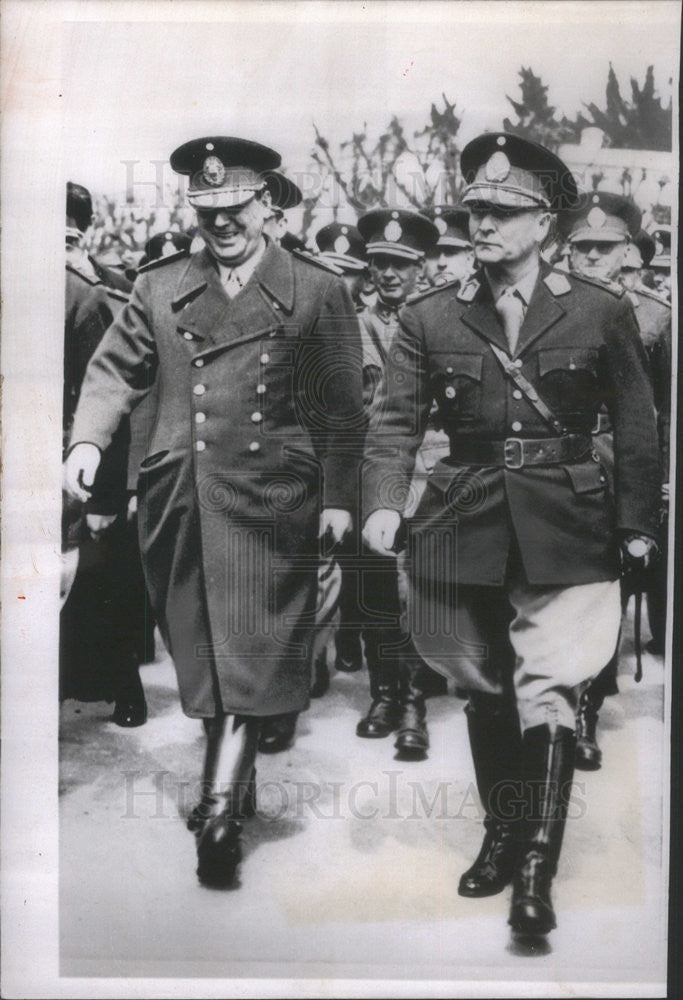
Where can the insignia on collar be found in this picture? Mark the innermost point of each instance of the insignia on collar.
(214, 171)
(557, 283)
(468, 291)
(497, 167)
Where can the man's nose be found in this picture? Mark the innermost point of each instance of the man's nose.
(486, 223)
(593, 253)
(442, 260)
(222, 217)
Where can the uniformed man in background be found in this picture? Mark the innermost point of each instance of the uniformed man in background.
(602, 232)
(515, 546)
(254, 456)
(452, 257)
(103, 626)
(342, 245)
(661, 262)
(396, 243)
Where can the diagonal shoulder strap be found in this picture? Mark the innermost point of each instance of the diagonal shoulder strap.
(527, 389)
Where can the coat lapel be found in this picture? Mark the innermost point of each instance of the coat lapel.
(544, 310)
(481, 315)
(200, 301)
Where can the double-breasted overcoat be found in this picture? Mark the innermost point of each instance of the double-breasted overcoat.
(258, 426)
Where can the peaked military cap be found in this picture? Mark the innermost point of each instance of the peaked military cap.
(662, 255)
(166, 244)
(511, 172)
(397, 232)
(224, 172)
(283, 192)
(633, 259)
(343, 245)
(453, 226)
(602, 216)
(646, 247)
(291, 242)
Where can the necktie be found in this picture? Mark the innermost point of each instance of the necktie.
(232, 282)
(510, 308)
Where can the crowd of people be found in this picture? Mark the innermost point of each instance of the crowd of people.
(429, 444)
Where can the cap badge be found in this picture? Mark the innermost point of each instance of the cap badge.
(596, 199)
(341, 245)
(497, 168)
(344, 230)
(441, 225)
(596, 218)
(168, 249)
(393, 232)
(214, 171)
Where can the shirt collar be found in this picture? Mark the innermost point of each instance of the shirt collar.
(244, 271)
(525, 286)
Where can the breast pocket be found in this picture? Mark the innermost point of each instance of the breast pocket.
(569, 379)
(456, 384)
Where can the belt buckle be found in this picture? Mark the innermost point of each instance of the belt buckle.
(513, 453)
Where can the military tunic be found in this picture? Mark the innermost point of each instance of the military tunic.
(258, 427)
(555, 523)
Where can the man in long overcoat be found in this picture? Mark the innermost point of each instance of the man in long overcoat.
(253, 453)
(515, 548)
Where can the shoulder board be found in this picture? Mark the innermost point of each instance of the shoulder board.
(160, 261)
(116, 294)
(469, 290)
(647, 293)
(607, 286)
(418, 296)
(557, 283)
(324, 265)
(90, 279)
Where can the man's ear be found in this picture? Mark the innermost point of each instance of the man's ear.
(544, 221)
(266, 200)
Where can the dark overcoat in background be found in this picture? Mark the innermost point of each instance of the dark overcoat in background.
(580, 349)
(258, 427)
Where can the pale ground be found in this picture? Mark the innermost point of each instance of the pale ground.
(345, 874)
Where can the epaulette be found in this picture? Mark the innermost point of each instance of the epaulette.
(324, 265)
(418, 296)
(469, 290)
(91, 279)
(160, 261)
(557, 283)
(647, 293)
(607, 286)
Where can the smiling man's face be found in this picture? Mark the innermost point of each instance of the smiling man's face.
(232, 235)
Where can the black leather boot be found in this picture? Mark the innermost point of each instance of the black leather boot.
(277, 732)
(384, 713)
(496, 745)
(219, 850)
(548, 768)
(130, 709)
(206, 807)
(412, 741)
(588, 753)
(349, 658)
(320, 681)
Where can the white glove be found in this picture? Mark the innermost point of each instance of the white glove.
(379, 531)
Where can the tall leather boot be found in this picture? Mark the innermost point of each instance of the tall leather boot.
(412, 741)
(384, 713)
(588, 753)
(496, 745)
(548, 768)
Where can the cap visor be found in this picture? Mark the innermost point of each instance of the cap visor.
(344, 262)
(501, 196)
(225, 198)
(394, 250)
(602, 235)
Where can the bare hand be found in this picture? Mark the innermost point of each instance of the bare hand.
(335, 524)
(80, 467)
(379, 531)
(99, 523)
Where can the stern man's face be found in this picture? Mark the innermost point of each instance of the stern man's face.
(394, 277)
(233, 235)
(598, 259)
(503, 236)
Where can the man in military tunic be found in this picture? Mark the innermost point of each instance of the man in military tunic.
(515, 546)
(396, 242)
(254, 454)
(602, 236)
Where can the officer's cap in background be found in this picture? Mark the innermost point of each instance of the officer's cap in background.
(397, 232)
(283, 192)
(453, 226)
(224, 172)
(662, 255)
(510, 172)
(165, 245)
(602, 217)
(78, 209)
(291, 242)
(343, 245)
(640, 252)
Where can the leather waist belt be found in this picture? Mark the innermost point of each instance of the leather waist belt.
(514, 453)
